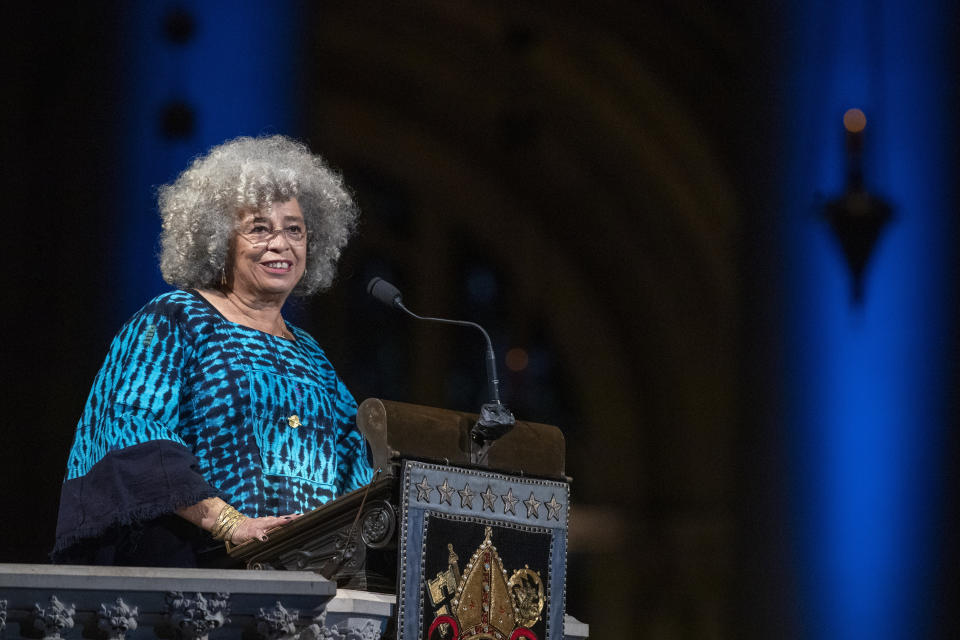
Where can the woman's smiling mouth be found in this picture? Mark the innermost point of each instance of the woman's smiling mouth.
(278, 266)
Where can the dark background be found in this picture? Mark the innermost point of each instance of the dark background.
(595, 183)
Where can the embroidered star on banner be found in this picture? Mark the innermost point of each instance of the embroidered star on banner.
(423, 490)
(489, 498)
(466, 497)
(533, 506)
(553, 508)
(510, 502)
(446, 492)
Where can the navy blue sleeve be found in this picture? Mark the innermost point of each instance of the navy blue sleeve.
(127, 486)
(127, 462)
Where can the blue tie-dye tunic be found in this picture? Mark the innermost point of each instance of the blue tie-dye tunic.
(189, 405)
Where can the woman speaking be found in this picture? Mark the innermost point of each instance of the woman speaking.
(212, 419)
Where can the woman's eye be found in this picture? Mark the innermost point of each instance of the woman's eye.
(259, 228)
(295, 228)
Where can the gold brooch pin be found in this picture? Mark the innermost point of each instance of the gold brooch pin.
(294, 421)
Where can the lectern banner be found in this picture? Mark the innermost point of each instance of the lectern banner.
(482, 555)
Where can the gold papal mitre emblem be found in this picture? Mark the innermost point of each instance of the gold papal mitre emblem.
(486, 604)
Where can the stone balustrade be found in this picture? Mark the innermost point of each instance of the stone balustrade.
(50, 602)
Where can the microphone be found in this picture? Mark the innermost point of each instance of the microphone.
(385, 293)
(495, 419)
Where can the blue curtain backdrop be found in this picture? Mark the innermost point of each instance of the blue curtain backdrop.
(194, 74)
(866, 385)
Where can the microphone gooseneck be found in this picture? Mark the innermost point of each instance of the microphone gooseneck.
(391, 296)
(495, 419)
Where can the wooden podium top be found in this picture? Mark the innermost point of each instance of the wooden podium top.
(397, 430)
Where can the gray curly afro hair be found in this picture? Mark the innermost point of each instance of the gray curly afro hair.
(200, 209)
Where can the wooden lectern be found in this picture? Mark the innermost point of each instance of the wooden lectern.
(471, 536)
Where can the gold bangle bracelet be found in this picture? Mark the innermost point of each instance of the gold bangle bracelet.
(223, 522)
(228, 534)
(226, 531)
(227, 522)
(223, 518)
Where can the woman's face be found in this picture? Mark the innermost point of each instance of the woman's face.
(269, 251)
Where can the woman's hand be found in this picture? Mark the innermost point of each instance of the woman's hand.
(204, 514)
(257, 528)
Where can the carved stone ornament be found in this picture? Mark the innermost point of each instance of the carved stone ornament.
(369, 631)
(117, 619)
(195, 618)
(54, 619)
(277, 622)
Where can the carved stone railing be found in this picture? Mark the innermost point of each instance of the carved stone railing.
(51, 602)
